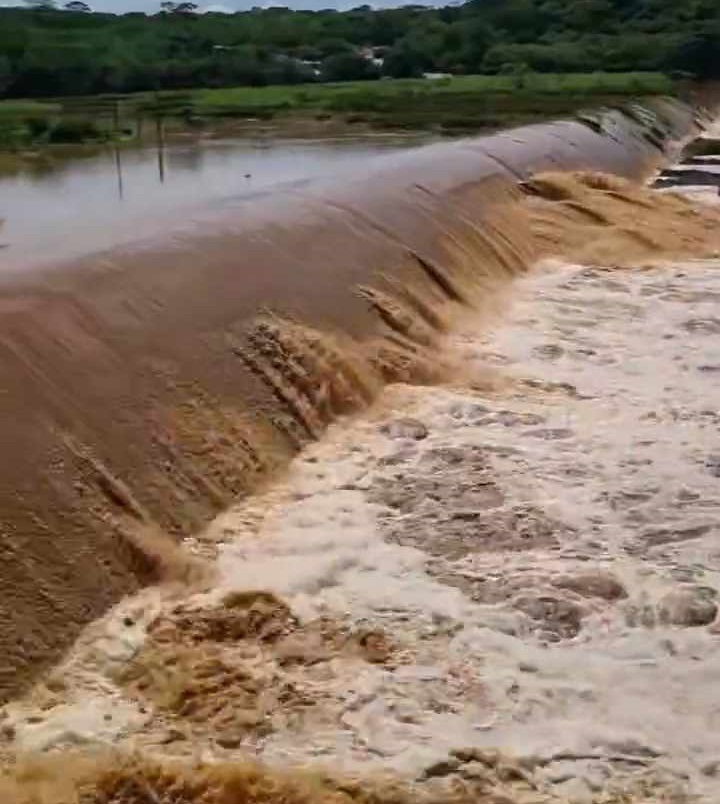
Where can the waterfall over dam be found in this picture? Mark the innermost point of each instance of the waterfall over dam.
(145, 388)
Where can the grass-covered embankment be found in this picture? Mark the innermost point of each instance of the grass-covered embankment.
(460, 103)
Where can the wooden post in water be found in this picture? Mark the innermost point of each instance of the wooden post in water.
(116, 118)
(116, 142)
(160, 128)
(118, 170)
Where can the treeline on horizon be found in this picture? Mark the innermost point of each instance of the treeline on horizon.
(47, 51)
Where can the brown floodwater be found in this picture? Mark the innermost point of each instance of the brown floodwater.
(148, 387)
(511, 542)
(63, 207)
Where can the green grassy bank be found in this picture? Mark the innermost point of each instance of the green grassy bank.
(461, 103)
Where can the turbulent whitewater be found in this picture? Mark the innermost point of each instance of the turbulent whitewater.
(490, 572)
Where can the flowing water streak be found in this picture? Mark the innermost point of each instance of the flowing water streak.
(148, 386)
(435, 572)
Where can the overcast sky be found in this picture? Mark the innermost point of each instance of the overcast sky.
(151, 6)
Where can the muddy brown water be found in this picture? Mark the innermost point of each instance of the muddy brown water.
(148, 385)
(67, 204)
(521, 558)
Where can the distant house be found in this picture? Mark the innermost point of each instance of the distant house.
(373, 55)
(436, 76)
(313, 66)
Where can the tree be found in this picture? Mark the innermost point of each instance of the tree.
(57, 70)
(698, 54)
(14, 40)
(332, 47)
(476, 39)
(6, 73)
(184, 8)
(348, 67)
(405, 60)
(44, 53)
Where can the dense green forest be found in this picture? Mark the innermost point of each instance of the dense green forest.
(51, 51)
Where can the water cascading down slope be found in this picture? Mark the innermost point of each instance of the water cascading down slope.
(143, 389)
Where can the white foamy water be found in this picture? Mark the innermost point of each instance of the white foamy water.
(713, 168)
(537, 544)
(610, 447)
(701, 194)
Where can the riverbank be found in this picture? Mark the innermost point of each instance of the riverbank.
(461, 104)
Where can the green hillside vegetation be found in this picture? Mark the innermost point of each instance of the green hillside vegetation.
(47, 52)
